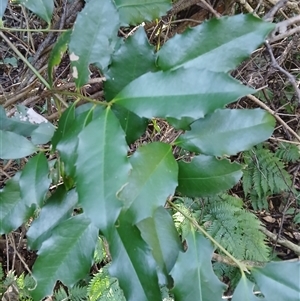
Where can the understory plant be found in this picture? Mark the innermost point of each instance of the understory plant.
(125, 198)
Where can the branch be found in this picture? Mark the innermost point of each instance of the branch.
(281, 30)
(282, 241)
(288, 75)
(270, 15)
(261, 104)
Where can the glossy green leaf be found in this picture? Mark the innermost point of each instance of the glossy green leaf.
(134, 58)
(43, 8)
(160, 234)
(227, 132)
(135, 12)
(13, 211)
(217, 45)
(207, 175)
(102, 169)
(279, 280)
(34, 180)
(14, 146)
(16, 125)
(153, 178)
(57, 52)
(66, 255)
(2, 113)
(64, 124)
(181, 93)
(96, 47)
(3, 5)
(182, 124)
(193, 275)
(245, 291)
(133, 125)
(43, 133)
(23, 123)
(57, 209)
(132, 262)
(65, 139)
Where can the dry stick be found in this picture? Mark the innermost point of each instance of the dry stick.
(21, 56)
(210, 8)
(281, 241)
(184, 4)
(247, 6)
(11, 98)
(285, 141)
(281, 30)
(291, 5)
(181, 5)
(288, 33)
(288, 75)
(261, 104)
(270, 15)
(16, 253)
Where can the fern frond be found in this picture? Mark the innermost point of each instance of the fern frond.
(236, 229)
(264, 175)
(2, 287)
(182, 224)
(288, 152)
(102, 287)
(60, 294)
(10, 278)
(78, 293)
(247, 180)
(258, 203)
(1, 272)
(257, 182)
(99, 253)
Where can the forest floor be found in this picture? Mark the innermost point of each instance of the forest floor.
(274, 72)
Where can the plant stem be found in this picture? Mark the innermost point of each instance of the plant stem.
(20, 55)
(241, 265)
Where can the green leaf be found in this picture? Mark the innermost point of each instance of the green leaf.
(134, 58)
(57, 209)
(66, 138)
(13, 211)
(14, 146)
(132, 125)
(193, 275)
(65, 123)
(3, 5)
(279, 280)
(43, 8)
(227, 132)
(132, 262)
(135, 12)
(16, 125)
(24, 124)
(207, 175)
(101, 21)
(210, 45)
(153, 178)
(102, 169)
(160, 234)
(244, 291)
(66, 255)
(34, 181)
(43, 133)
(297, 218)
(181, 93)
(57, 52)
